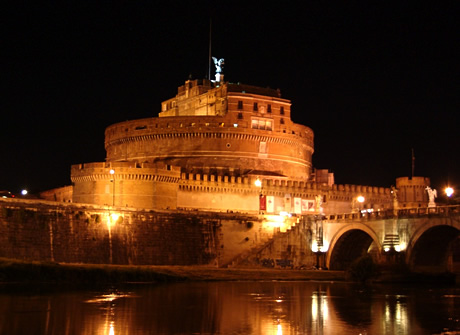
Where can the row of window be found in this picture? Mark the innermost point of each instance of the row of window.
(261, 124)
(262, 108)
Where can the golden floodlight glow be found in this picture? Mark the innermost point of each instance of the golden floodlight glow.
(449, 191)
(258, 183)
(275, 221)
(360, 199)
(112, 219)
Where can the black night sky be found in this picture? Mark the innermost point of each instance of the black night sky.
(373, 79)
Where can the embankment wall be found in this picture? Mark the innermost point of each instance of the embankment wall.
(75, 233)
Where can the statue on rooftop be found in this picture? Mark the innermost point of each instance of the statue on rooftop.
(219, 63)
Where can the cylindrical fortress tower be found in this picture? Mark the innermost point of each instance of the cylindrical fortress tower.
(232, 127)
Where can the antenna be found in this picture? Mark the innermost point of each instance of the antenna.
(209, 59)
(413, 163)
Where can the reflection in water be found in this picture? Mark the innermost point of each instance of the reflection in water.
(234, 308)
(395, 320)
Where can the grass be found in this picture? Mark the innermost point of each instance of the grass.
(47, 272)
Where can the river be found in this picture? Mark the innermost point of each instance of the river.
(270, 307)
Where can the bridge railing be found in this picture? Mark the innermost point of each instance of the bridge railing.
(422, 211)
(399, 213)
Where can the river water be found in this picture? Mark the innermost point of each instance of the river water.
(232, 308)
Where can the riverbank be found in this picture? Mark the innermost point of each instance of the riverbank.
(36, 272)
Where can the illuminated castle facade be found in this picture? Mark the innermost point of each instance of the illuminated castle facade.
(208, 149)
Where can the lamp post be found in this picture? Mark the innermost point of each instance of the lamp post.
(359, 199)
(112, 172)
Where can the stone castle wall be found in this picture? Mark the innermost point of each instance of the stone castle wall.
(73, 233)
(227, 192)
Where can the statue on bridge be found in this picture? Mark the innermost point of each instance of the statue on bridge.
(394, 193)
(431, 195)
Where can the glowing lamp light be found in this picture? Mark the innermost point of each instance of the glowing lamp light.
(360, 199)
(112, 171)
(449, 191)
(258, 182)
(24, 192)
(112, 219)
(279, 330)
(282, 213)
(322, 248)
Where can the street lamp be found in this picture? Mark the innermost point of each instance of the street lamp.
(112, 172)
(449, 191)
(359, 199)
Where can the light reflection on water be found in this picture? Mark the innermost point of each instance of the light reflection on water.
(233, 308)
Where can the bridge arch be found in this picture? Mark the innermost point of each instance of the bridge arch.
(432, 247)
(349, 243)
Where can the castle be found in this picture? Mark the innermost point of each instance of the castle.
(219, 146)
(221, 177)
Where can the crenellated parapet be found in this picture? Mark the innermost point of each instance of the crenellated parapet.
(345, 198)
(243, 191)
(228, 182)
(347, 192)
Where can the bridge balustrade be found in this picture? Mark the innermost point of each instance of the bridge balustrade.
(401, 213)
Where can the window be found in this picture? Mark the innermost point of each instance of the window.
(256, 107)
(262, 124)
(240, 104)
(240, 116)
(269, 108)
(282, 110)
(282, 121)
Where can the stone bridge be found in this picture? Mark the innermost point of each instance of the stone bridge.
(424, 239)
